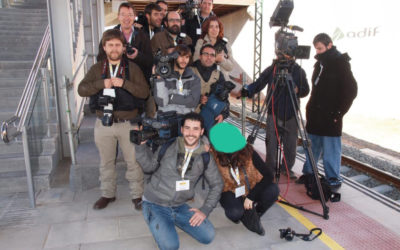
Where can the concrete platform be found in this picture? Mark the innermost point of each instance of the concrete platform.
(65, 220)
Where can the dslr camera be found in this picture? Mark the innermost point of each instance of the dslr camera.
(130, 49)
(220, 45)
(164, 65)
(180, 39)
(159, 130)
(106, 101)
(217, 102)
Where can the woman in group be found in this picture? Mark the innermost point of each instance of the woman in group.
(212, 32)
(248, 183)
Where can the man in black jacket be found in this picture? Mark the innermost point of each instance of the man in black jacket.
(138, 49)
(281, 119)
(333, 91)
(193, 26)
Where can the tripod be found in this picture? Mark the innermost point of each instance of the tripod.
(282, 82)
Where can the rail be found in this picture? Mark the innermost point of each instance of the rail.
(374, 172)
(12, 127)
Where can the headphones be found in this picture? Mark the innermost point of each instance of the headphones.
(289, 234)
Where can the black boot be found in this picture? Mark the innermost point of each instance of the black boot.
(251, 221)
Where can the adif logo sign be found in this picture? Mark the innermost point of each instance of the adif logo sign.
(366, 32)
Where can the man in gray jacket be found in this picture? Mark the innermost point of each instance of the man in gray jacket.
(171, 184)
(181, 90)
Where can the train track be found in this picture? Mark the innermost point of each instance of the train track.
(386, 190)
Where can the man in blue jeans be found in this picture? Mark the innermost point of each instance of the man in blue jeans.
(333, 91)
(170, 184)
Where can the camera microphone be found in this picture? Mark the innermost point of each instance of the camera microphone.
(295, 28)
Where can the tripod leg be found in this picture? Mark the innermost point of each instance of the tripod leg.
(307, 148)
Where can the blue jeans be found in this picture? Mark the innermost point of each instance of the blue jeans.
(162, 221)
(331, 149)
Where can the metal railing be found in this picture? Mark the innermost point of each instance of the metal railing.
(17, 121)
(73, 126)
(32, 112)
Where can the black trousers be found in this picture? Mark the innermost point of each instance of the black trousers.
(234, 206)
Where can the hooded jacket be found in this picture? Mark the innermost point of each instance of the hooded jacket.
(168, 96)
(333, 91)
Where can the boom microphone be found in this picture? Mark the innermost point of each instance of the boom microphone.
(295, 28)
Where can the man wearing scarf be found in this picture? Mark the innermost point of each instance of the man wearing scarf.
(333, 91)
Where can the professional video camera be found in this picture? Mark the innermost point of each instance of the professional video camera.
(107, 100)
(217, 102)
(159, 130)
(188, 9)
(164, 64)
(285, 41)
(220, 45)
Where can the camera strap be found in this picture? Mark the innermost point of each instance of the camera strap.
(132, 35)
(119, 71)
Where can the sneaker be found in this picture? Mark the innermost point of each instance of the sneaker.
(334, 184)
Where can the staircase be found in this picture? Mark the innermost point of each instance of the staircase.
(22, 26)
(85, 174)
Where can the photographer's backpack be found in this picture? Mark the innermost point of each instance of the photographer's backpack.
(165, 146)
(313, 192)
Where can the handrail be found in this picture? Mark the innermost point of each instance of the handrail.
(17, 121)
(67, 85)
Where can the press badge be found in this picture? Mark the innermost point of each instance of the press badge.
(182, 185)
(239, 191)
(198, 31)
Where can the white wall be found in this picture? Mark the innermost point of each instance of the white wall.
(367, 30)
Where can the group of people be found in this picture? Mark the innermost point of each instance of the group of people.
(123, 85)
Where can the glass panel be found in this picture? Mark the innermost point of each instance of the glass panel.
(37, 126)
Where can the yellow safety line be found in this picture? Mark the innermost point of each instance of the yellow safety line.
(309, 225)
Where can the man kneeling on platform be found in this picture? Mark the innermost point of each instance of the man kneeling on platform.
(117, 89)
(249, 190)
(170, 184)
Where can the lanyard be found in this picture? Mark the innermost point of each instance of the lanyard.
(188, 156)
(235, 175)
(320, 72)
(112, 72)
(151, 32)
(180, 85)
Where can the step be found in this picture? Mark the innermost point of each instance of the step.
(18, 183)
(14, 73)
(23, 33)
(12, 56)
(36, 146)
(16, 162)
(9, 102)
(11, 92)
(16, 64)
(13, 82)
(11, 11)
(86, 131)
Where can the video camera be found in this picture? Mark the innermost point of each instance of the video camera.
(164, 65)
(159, 130)
(220, 45)
(106, 101)
(216, 103)
(188, 9)
(285, 41)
